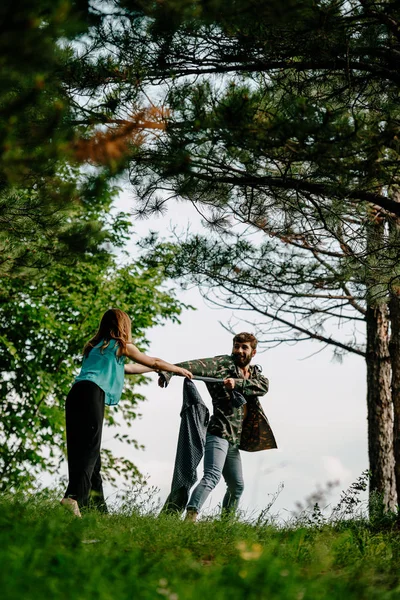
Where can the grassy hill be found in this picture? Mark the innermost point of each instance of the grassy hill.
(46, 553)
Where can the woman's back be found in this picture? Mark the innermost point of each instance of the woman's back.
(105, 369)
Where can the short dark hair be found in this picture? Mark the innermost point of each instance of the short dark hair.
(243, 337)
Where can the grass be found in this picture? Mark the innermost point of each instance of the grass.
(46, 553)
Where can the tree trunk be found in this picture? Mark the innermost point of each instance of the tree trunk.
(394, 347)
(380, 408)
(394, 308)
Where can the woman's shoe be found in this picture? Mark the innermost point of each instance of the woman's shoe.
(71, 505)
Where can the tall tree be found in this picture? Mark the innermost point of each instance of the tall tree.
(287, 123)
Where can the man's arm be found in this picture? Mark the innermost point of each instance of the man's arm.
(256, 386)
(202, 367)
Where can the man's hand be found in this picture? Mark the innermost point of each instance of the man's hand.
(229, 383)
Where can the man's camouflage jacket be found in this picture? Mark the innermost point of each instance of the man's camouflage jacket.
(252, 434)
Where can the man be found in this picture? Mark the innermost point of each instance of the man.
(234, 425)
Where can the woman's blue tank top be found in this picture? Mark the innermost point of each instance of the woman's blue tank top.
(105, 369)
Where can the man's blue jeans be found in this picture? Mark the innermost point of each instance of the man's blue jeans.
(220, 458)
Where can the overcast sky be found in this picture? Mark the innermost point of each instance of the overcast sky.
(316, 407)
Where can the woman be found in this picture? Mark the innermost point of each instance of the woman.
(100, 382)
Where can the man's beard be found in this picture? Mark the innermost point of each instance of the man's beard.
(241, 362)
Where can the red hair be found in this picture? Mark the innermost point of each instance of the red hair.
(114, 325)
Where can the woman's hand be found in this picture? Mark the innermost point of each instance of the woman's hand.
(184, 373)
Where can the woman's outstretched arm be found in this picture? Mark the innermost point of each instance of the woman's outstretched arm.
(154, 364)
(136, 369)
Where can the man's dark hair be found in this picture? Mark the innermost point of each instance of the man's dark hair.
(243, 337)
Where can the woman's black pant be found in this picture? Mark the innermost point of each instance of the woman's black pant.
(84, 412)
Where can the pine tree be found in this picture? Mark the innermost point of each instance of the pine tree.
(283, 117)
